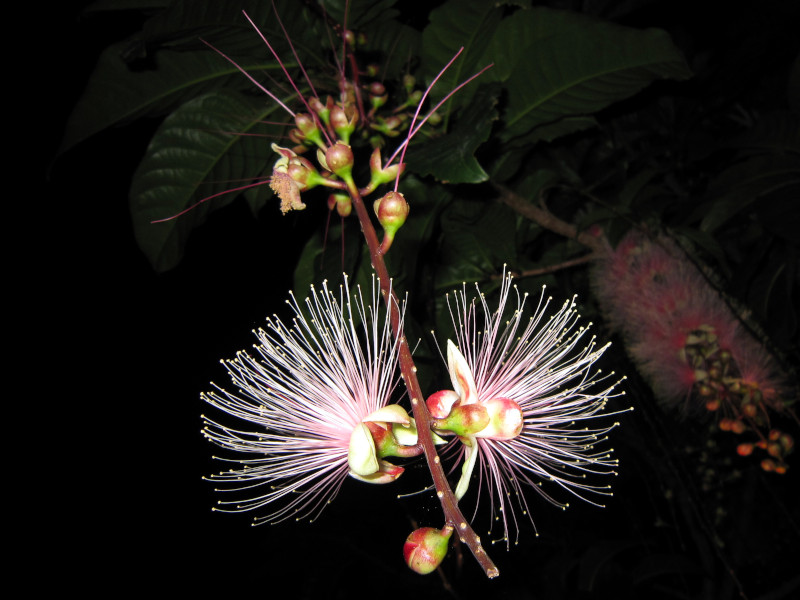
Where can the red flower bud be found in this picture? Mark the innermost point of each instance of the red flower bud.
(304, 122)
(344, 122)
(342, 203)
(393, 122)
(392, 211)
(426, 548)
(377, 94)
(376, 88)
(738, 427)
(308, 128)
(744, 449)
(339, 159)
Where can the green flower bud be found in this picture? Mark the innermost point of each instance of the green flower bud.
(434, 119)
(415, 97)
(379, 175)
(464, 420)
(389, 126)
(322, 110)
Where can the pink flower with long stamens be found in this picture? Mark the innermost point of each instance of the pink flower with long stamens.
(659, 300)
(689, 344)
(305, 398)
(539, 387)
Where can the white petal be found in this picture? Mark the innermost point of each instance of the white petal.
(461, 375)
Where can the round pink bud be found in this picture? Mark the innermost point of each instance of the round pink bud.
(376, 88)
(342, 204)
(339, 159)
(349, 37)
(392, 210)
(305, 123)
(392, 123)
(341, 120)
(316, 105)
(338, 117)
(299, 172)
(426, 548)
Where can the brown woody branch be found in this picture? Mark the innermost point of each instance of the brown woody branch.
(452, 512)
(541, 215)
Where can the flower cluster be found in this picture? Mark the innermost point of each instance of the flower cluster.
(689, 345)
(315, 395)
(523, 390)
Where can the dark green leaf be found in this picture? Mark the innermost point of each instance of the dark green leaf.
(195, 153)
(450, 158)
(399, 46)
(147, 76)
(558, 64)
(478, 238)
(756, 178)
(116, 94)
(414, 238)
(457, 23)
(774, 132)
(359, 13)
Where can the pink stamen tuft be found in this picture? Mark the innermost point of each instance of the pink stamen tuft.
(297, 401)
(545, 367)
